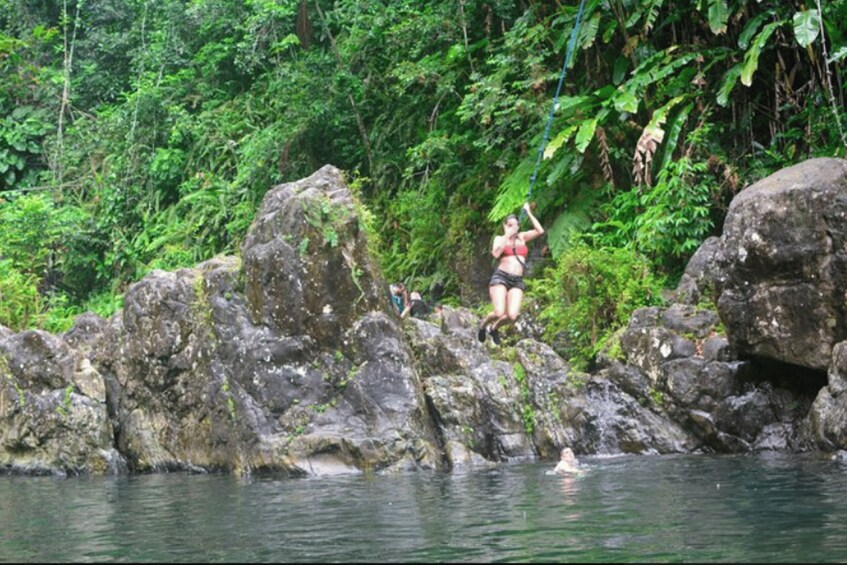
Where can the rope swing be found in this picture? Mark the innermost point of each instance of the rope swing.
(555, 106)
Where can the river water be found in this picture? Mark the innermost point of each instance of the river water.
(755, 508)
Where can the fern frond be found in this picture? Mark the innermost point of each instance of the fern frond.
(573, 220)
(513, 191)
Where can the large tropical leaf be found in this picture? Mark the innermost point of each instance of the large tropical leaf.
(807, 25)
(626, 101)
(751, 58)
(751, 28)
(660, 115)
(718, 16)
(561, 138)
(674, 129)
(588, 34)
(651, 71)
(728, 83)
(651, 12)
(585, 134)
(566, 165)
(837, 56)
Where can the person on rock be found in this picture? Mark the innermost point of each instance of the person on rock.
(417, 307)
(399, 297)
(506, 286)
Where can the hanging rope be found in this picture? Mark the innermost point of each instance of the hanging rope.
(541, 147)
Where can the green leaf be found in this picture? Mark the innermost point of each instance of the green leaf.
(626, 101)
(751, 58)
(454, 53)
(585, 134)
(661, 114)
(653, 70)
(566, 165)
(620, 70)
(674, 130)
(290, 40)
(513, 190)
(728, 83)
(561, 138)
(718, 16)
(838, 55)
(751, 28)
(806, 27)
(567, 102)
(651, 10)
(588, 33)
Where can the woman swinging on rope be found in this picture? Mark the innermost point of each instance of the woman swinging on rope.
(506, 287)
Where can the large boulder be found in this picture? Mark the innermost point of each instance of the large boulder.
(289, 362)
(306, 262)
(782, 267)
(53, 413)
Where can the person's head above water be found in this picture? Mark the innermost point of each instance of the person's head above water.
(568, 463)
(568, 456)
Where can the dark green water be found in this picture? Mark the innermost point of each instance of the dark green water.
(762, 508)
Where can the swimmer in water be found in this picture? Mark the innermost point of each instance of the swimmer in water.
(568, 464)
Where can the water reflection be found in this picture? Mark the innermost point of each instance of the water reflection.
(773, 508)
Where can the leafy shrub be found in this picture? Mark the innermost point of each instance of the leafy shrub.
(21, 133)
(19, 299)
(34, 228)
(665, 222)
(588, 294)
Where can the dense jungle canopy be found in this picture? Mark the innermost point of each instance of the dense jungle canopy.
(142, 134)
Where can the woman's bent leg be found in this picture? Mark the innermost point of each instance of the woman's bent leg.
(497, 293)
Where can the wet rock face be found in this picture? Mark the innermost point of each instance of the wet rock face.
(781, 280)
(828, 417)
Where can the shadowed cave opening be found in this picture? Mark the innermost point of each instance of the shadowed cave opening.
(803, 382)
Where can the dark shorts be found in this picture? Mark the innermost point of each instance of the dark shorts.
(507, 280)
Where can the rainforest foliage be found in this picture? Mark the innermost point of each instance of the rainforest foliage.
(142, 134)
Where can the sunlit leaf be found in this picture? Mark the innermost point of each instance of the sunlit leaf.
(751, 58)
(561, 138)
(626, 101)
(585, 134)
(806, 27)
(674, 130)
(588, 33)
(566, 103)
(513, 190)
(838, 55)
